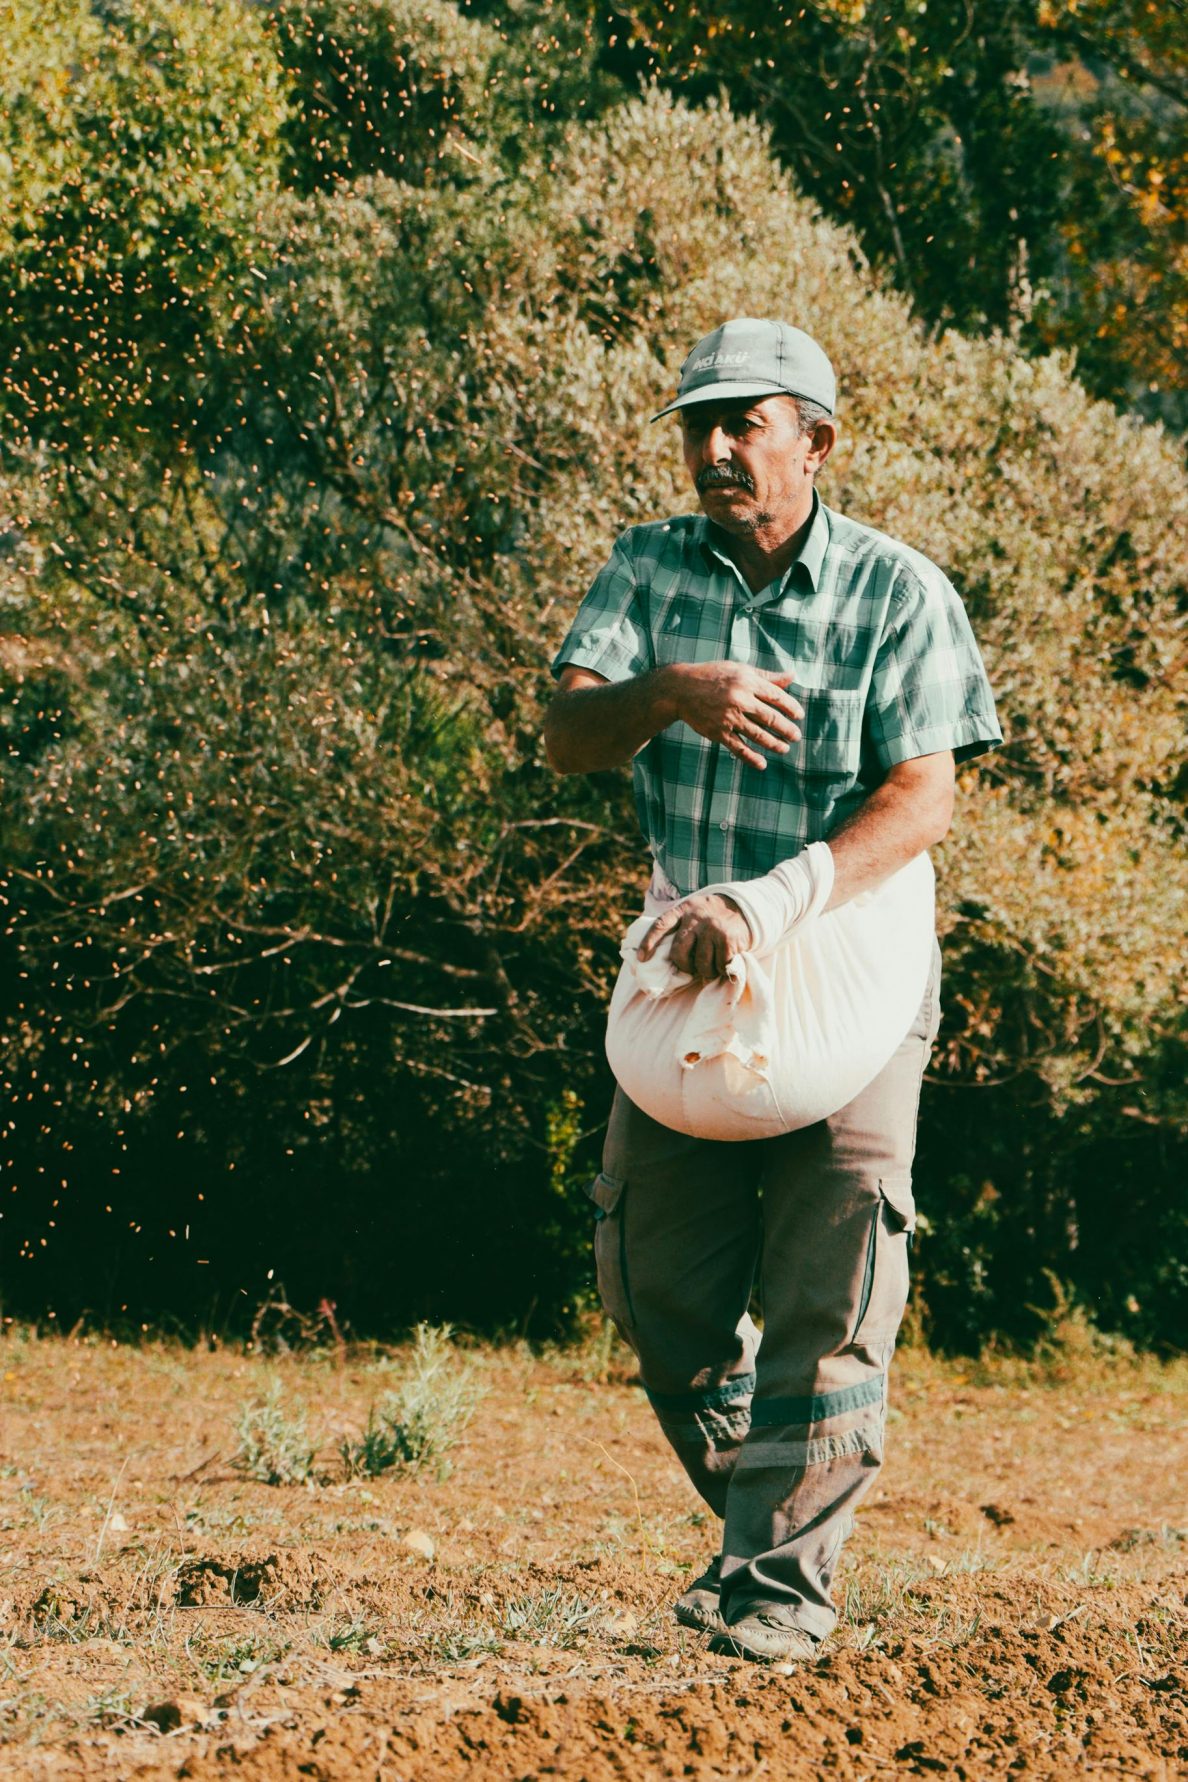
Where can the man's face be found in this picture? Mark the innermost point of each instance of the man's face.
(749, 461)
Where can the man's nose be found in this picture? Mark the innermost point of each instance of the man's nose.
(716, 447)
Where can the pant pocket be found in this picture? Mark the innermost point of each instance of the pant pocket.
(610, 1247)
(884, 1287)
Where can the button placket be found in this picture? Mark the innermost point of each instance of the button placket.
(721, 798)
(722, 810)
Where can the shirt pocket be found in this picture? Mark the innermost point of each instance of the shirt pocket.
(831, 745)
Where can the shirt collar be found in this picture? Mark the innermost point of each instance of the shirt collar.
(812, 551)
(810, 559)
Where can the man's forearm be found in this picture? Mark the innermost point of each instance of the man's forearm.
(899, 820)
(588, 728)
(748, 711)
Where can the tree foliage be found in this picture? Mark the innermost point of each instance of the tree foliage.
(1017, 163)
(307, 947)
(137, 138)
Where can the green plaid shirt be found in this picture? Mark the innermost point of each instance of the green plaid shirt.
(884, 660)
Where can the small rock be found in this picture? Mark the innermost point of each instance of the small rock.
(418, 1542)
(117, 1524)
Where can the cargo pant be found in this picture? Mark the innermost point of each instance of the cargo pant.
(782, 1436)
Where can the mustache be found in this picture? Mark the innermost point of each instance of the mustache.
(716, 476)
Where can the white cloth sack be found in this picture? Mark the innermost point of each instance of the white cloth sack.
(781, 1041)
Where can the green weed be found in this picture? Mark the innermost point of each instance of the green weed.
(550, 1618)
(464, 1643)
(349, 1636)
(111, 1707)
(273, 1444)
(416, 1424)
(223, 1661)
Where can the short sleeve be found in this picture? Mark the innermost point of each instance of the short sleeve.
(608, 634)
(929, 691)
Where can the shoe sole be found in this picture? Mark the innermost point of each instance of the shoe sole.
(727, 1645)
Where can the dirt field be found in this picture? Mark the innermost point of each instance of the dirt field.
(1014, 1598)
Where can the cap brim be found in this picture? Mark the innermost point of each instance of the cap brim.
(728, 391)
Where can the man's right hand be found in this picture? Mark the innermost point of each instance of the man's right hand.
(593, 724)
(745, 709)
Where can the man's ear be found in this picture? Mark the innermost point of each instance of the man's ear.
(823, 441)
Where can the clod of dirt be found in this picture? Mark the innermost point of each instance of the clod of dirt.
(1166, 1685)
(1130, 1538)
(293, 1579)
(207, 1583)
(59, 1602)
(76, 1605)
(914, 1752)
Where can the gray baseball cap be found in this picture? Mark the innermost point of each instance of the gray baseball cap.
(746, 357)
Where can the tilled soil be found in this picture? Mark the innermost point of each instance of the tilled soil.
(1013, 1601)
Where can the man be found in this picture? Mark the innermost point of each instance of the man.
(780, 675)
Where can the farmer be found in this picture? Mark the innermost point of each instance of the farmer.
(779, 675)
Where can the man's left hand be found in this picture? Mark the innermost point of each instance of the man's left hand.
(707, 931)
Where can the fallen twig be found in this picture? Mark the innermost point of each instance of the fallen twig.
(185, 1478)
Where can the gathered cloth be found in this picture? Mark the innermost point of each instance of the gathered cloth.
(798, 1025)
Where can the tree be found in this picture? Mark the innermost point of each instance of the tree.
(135, 139)
(1016, 165)
(1118, 75)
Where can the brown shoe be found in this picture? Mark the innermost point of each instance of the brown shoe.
(699, 1605)
(766, 1638)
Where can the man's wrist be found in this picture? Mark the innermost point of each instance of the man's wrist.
(776, 904)
(665, 685)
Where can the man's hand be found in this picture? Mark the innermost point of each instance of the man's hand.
(707, 930)
(592, 724)
(743, 708)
